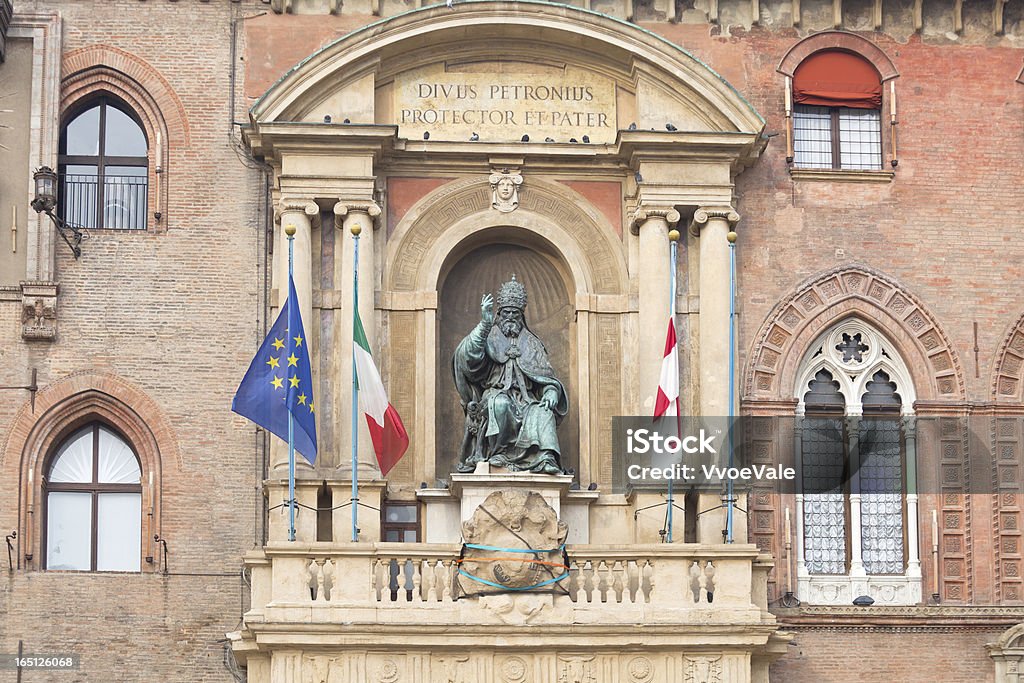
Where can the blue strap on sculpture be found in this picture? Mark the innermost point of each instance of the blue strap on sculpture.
(511, 588)
(477, 546)
(546, 582)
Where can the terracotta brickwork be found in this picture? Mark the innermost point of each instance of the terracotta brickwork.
(156, 327)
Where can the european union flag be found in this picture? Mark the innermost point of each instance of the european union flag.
(279, 381)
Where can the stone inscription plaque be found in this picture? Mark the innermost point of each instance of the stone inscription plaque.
(500, 102)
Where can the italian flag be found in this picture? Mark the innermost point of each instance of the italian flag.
(667, 402)
(390, 440)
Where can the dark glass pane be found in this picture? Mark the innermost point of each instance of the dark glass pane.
(823, 468)
(881, 483)
(124, 137)
(78, 195)
(82, 135)
(880, 394)
(400, 514)
(823, 394)
(392, 536)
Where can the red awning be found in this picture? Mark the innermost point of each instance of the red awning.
(833, 78)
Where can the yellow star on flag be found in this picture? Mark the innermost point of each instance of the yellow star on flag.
(311, 406)
(302, 399)
(294, 380)
(298, 341)
(278, 343)
(273, 362)
(292, 360)
(277, 383)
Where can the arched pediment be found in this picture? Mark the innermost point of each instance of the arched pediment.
(518, 57)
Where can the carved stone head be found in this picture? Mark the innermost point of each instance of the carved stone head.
(505, 190)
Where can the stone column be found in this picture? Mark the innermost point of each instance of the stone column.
(913, 550)
(713, 225)
(652, 225)
(303, 214)
(347, 215)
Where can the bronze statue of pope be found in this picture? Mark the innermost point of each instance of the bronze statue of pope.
(512, 400)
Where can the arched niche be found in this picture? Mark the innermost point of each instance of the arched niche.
(478, 265)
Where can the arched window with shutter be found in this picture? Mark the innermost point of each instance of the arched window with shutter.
(837, 120)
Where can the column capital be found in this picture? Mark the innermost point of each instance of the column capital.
(298, 205)
(365, 207)
(645, 213)
(705, 214)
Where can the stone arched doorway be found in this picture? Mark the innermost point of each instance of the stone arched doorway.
(481, 264)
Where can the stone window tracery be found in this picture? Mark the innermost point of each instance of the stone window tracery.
(856, 497)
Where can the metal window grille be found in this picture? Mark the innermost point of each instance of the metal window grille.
(837, 137)
(123, 197)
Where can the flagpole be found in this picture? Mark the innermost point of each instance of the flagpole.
(732, 379)
(354, 501)
(673, 238)
(290, 231)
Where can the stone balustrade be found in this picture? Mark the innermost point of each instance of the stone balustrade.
(417, 582)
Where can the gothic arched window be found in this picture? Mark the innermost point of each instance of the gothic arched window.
(856, 501)
(93, 494)
(103, 167)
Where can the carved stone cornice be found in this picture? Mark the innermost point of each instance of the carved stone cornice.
(704, 215)
(646, 213)
(366, 207)
(298, 205)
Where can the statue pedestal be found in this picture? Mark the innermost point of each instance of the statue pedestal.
(447, 509)
(471, 489)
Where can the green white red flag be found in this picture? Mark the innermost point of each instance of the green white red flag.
(390, 440)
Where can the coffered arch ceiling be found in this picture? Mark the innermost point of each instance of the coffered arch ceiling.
(644, 78)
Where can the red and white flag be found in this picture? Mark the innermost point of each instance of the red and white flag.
(667, 402)
(390, 440)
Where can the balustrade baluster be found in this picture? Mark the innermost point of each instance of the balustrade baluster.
(649, 573)
(430, 577)
(709, 580)
(417, 580)
(618, 586)
(693, 586)
(581, 581)
(604, 578)
(446, 579)
(329, 574)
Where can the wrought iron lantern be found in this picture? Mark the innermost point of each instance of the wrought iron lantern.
(46, 200)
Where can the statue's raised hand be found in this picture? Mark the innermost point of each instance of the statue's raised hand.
(487, 309)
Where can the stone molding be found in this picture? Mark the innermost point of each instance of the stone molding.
(703, 216)
(1008, 368)
(104, 63)
(842, 40)
(368, 208)
(560, 26)
(308, 207)
(552, 212)
(852, 291)
(643, 214)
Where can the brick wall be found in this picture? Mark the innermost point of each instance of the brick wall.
(174, 313)
(177, 312)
